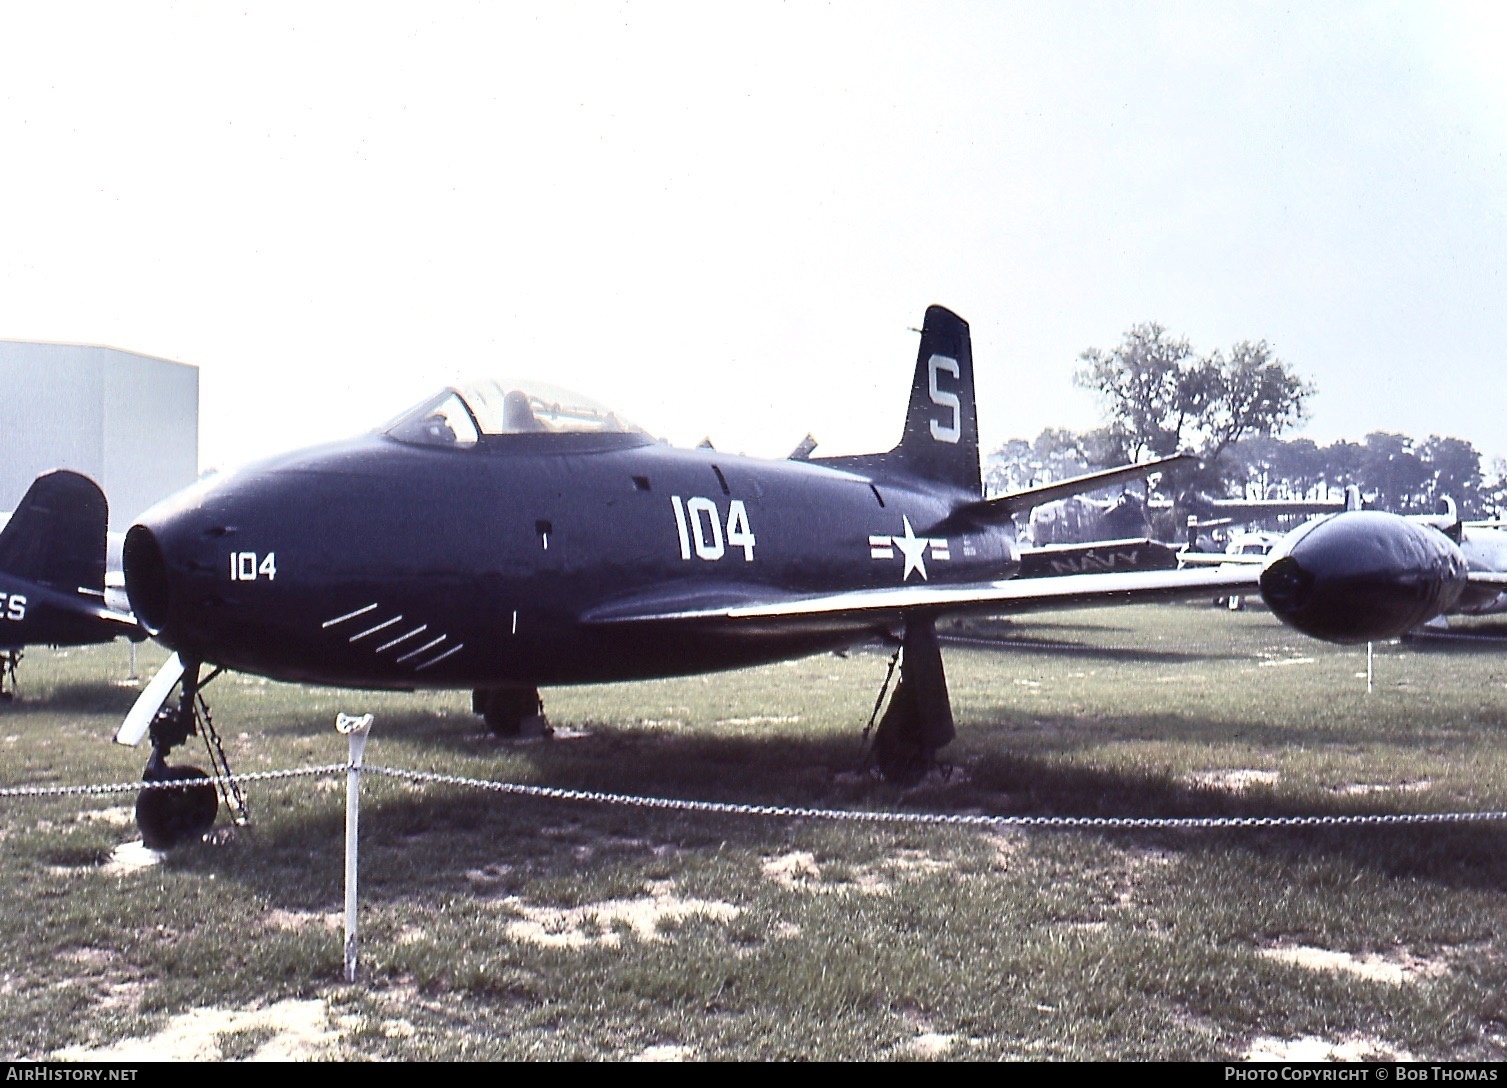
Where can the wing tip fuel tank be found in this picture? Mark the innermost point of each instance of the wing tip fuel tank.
(1363, 576)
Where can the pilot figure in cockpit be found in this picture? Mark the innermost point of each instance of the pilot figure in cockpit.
(438, 430)
(518, 416)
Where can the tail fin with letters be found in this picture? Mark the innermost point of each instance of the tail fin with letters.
(939, 444)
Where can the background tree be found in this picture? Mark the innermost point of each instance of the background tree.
(1456, 467)
(1145, 388)
(1494, 489)
(1251, 392)
(1161, 397)
(1056, 454)
(1393, 475)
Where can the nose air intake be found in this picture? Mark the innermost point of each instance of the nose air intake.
(147, 583)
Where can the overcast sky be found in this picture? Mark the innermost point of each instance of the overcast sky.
(724, 219)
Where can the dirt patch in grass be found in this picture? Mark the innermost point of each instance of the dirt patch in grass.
(799, 871)
(131, 857)
(604, 924)
(796, 870)
(1396, 967)
(287, 1031)
(122, 816)
(1312, 1048)
(1360, 789)
(931, 1044)
(666, 1052)
(1138, 867)
(1006, 845)
(115, 985)
(90, 957)
(916, 861)
(294, 920)
(1237, 781)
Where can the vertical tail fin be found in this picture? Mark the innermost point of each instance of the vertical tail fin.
(940, 443)
(56, 537)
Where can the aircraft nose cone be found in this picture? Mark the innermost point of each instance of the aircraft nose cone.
(171, 561)
(1363, 575)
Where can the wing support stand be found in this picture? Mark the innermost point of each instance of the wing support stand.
(167, 816)
(918, 722)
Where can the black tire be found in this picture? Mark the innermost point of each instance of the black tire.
(167, 817)
(902, 757)
(902, 763)
(506, 708)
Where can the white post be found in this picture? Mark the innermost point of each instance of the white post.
(1369, 647)
(356, 731)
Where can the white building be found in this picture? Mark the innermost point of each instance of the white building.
(129, 421)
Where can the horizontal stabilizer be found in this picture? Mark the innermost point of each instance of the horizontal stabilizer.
(1221, 559)
(1002, 509)
(1251, 509)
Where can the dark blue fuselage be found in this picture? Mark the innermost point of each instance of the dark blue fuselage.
(379, 563)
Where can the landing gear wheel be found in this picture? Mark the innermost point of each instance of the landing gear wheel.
(918, 722)
(897, 749)
(901, 763)
(512, 712)
(167, 817)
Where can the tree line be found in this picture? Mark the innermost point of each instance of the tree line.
(1159, 397)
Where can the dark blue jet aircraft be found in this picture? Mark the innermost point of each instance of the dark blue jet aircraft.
(52, 572)
(498, 540)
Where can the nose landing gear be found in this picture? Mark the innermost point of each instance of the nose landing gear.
(167, 816)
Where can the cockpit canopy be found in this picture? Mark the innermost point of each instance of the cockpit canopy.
(482, 410)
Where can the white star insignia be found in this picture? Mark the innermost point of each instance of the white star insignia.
(913, 547)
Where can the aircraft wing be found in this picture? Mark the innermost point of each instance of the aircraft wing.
(1009, 597)
(1489, 578)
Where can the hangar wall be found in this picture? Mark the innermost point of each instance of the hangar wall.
(129, 421)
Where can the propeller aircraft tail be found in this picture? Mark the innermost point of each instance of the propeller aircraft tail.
(56, 537)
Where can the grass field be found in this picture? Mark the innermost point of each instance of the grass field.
(498, 927)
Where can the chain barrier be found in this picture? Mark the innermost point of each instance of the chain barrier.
(1112, 823)
(728, 808)
(169, 784)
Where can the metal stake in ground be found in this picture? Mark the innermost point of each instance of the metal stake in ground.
(356, 731)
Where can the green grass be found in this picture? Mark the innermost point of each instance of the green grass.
(801, 938)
